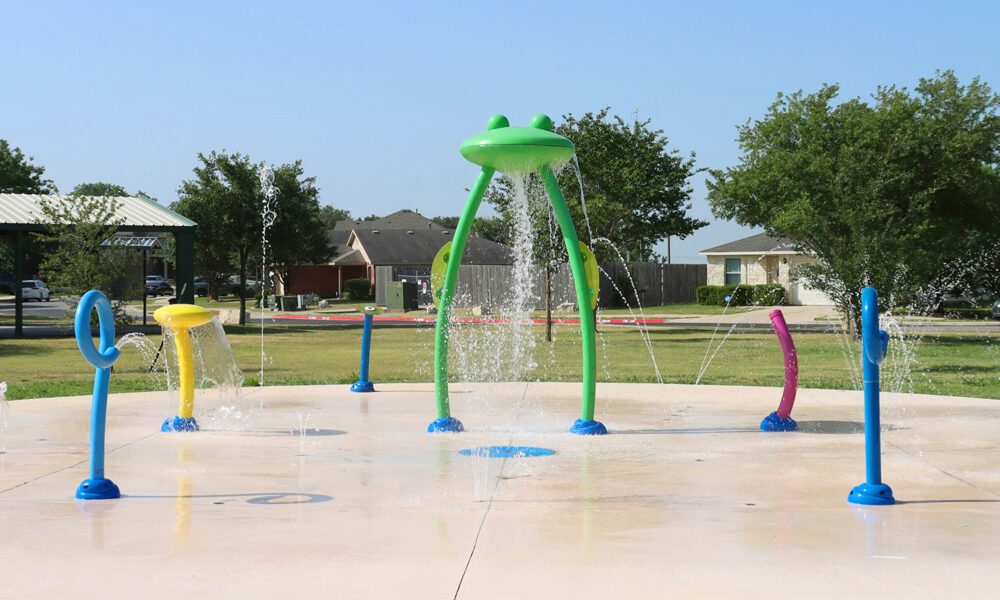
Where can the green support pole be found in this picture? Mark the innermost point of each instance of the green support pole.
(582, 292)
(18, 276)
(184, 273)
(444, 421)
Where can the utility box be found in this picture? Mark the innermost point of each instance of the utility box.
(401, 295)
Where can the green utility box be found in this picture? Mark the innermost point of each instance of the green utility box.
(401, 295)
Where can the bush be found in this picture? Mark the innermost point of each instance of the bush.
(711, 295)
(742, 295)
(768, 294)
(359, 289)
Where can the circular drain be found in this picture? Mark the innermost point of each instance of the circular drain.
(507, 451)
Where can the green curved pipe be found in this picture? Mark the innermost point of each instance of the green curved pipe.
(517, 149)
(582, 292)
(448, 292)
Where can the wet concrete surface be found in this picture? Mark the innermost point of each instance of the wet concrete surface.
(685, 498)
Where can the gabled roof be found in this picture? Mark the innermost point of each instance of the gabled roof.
(420, 246)
(755, 244)
(24, 211)
(404, 219)
(401, 219)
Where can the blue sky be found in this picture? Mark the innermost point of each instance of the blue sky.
(375, 97)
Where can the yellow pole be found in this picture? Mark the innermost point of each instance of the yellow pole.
(180, 318)
(185, 367)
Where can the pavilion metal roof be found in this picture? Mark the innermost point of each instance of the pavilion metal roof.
(23, 211)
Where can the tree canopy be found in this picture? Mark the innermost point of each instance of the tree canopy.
(75, 258)
(883, 193)
(637, 189)
(18, 175)
(331, 215)
(99, 188)
(496, 229)
(225, 197)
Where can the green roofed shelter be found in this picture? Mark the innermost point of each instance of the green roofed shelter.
(22, 213)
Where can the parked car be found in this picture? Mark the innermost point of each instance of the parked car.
(996, 309)
(35, 289)
(232, 286)
(200, 287)
(156, 285)
(6, 283)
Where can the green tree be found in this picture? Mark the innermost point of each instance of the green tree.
(19, 176)
(224, 198)
(495, 229)
(99, 188)
(331, 215)
(882, 193)
(75, 258)
(299, 234)
(637, 189)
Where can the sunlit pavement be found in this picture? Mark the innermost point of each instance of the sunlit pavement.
(686, 498)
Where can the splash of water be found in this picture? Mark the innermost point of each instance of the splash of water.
(583, 199)
(268, 215)
(640, 319)
(706, 360)
(503, 348)
(304, 421)
(219, 403)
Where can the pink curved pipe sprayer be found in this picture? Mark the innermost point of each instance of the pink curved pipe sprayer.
(781, 419)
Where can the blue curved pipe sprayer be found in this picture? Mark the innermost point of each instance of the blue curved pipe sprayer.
(97, 487)
(874, 343)
(363, 384)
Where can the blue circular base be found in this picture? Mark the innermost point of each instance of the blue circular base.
(507, 451)
(446, 424)
(872, 494)
(773, 422)
(362, 386)
(581, 427)
(97, 489)
(179, 424)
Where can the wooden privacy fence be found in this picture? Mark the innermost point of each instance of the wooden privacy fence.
(491, 285)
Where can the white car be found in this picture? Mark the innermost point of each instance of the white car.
(35, 289)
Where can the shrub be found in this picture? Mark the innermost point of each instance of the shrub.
(711, 295)
(768, 294)
(358, 289)
(741, 295)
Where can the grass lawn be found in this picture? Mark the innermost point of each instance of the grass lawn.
(666, 309)
(965, 365)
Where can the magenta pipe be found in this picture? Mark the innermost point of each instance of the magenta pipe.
(781, 419)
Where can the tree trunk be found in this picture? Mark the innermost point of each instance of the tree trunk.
(548, 302)
(243, 291)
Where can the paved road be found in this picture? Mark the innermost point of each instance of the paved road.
(799, 318)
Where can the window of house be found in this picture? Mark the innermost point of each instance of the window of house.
(733, 269)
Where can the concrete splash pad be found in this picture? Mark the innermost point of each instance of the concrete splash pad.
(686, 498)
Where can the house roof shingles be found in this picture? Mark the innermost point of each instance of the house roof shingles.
(404, 219)
(420, 246)
(755, 244)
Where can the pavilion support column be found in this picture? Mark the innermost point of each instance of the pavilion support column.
(19, 253)
(184, 272)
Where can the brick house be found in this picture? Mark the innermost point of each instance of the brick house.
(760, 259)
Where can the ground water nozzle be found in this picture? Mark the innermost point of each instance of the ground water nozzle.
(97, 486)
(180, 318)
(781, 419)
(363, 384)
(874, 343)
